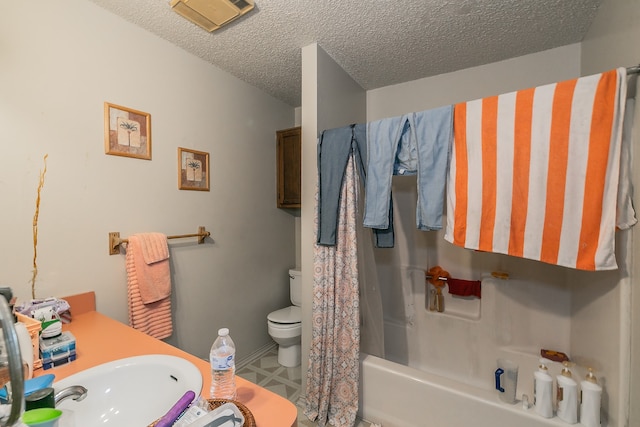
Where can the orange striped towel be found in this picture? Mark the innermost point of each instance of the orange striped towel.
(153, 318)
(535, 173)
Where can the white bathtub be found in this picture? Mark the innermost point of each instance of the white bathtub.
(439, 367)
(395, 395)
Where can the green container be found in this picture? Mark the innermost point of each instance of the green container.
(42, 417)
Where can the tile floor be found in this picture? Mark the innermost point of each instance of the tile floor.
(266, 372)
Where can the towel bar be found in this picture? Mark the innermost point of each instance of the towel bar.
(115, 241)
(496, 274)
(429, 276)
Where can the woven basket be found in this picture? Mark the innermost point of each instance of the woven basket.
(249, 421)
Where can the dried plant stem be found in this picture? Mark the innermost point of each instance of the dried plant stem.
(35, 229)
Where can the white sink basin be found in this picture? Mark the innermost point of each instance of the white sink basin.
(134, 391)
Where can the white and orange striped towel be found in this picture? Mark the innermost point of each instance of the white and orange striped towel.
(148, 288)
(535, 173)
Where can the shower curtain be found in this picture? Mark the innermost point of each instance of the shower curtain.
(333, 373)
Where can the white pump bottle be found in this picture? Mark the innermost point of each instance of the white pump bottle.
(591, 397)
(567, 395)
(543, 390)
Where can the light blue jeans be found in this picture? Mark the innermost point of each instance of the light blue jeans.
(413, 144)
(334, 148)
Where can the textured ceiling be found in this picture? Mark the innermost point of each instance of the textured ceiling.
(378, 42)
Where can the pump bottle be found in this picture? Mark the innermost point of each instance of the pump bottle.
(591, 397)
(567, 395)
(543, 390)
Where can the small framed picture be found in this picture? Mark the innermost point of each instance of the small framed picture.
(127, 132)
(193, 170)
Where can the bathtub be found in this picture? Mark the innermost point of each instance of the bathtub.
(394, 395)
(438, 367)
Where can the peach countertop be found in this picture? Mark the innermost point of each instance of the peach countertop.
(100, 339)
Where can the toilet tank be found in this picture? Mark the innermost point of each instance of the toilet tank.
(295, 287)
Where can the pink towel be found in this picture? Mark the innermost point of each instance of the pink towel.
(154, 247)
(152, 280)
(152, 266)
(535, 173)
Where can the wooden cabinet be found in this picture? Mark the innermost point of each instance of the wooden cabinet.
(289, 167)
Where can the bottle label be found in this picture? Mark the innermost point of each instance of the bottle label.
(535, 388)
(226, 362)
(560, 394)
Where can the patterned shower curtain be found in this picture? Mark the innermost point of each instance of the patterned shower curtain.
(332, 377)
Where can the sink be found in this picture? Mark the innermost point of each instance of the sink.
(134, 391)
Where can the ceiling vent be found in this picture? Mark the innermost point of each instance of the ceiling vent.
(211, 14)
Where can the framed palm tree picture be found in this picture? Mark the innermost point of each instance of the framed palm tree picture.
(127, 132)
(193, 170)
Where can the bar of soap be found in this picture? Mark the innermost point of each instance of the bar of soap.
(556, 356)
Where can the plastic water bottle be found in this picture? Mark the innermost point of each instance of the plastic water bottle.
(223, 369)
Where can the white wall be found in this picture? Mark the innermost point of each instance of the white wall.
(473, 83)
(330, 99)
(298, 233)
(60, 62)
(612, 41)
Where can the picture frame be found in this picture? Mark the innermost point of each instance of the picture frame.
(127, 132)
(193, 170)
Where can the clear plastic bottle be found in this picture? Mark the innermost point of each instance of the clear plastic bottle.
(223, 370)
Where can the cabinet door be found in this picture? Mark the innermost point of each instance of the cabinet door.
(289, 168)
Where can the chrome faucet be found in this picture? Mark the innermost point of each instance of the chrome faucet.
(75, 392)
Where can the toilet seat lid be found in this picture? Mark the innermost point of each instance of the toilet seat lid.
(286, 315)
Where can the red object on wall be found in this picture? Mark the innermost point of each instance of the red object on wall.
(464, 288)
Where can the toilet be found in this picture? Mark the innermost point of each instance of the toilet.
(285, 325)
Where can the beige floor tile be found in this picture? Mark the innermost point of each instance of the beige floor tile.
(286, 382)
